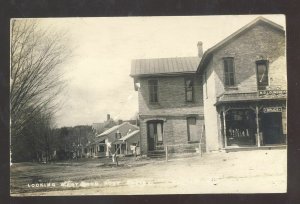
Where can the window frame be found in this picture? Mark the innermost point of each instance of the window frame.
(192, 90)
(101, 148)
(150, 91)
(118, 135)
(266, 63)
(227, 74)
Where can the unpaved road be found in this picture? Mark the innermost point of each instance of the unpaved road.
(259, 171)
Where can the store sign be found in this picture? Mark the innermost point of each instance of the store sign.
(272, 93)
(272, 109)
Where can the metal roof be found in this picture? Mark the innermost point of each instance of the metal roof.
(110, 130)
(155, 66)
(129, 135)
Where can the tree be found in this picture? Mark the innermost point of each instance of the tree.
(37, 54)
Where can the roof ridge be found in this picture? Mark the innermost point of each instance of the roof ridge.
(234, 34)
(153, 58)
(156, 66)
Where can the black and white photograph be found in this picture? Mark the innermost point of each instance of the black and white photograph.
(148, 105)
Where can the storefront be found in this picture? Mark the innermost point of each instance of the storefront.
(257, 122)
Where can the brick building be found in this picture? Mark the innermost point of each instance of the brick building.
(245, 87)
(238, 86)
(170, 101)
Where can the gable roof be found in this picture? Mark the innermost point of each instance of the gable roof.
(158, 66)
(110, 130)
(129, 135)
(208, 53)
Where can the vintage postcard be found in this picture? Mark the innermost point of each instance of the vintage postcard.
(148, 105)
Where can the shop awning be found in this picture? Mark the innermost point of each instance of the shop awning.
(251, 96)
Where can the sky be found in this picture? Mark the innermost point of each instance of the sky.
(97, 76)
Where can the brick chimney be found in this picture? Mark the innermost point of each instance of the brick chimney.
(200, 49)
(108, 117)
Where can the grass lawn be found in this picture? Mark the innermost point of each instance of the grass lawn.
(262, 171)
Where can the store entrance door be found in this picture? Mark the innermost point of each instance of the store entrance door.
(271, 126)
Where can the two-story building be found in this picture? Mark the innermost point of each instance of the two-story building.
(239, 86)
(245, 87)
(170, 101)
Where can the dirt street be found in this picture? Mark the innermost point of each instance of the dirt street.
(256, 171)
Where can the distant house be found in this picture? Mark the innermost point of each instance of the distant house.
(127, 143)
(101, 127)
(117, 138)
(170, 101)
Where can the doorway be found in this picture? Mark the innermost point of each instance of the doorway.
(155, 134)
(271, 126)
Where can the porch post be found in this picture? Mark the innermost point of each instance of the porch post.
(224, 125)
(126, 147)
(257, 126)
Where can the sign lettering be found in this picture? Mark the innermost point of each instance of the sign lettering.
(272, 109)
(272, 93)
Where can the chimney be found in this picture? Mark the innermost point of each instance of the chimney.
(108, 117)
(120, 122)
(200, 49)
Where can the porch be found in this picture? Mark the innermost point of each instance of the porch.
(247, 122)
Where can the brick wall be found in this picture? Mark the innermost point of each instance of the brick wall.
(174, 131)
(171, 107)
(171, 97)
(210, 111)
(260, 41)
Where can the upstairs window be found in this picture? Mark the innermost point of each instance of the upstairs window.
(153, 91)
(262, 74)
(229, 71)
(118, 135)
(189, 90)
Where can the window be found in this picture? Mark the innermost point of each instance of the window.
(262, 74)
(153, 88)
(229, 71)
(101, 148)
(118, 135)
(189, 90)
(192, 129)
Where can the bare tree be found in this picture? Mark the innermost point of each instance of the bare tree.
(37, 54)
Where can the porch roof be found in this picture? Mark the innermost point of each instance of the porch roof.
(251, 96)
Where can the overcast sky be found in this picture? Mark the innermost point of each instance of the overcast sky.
(98, 74)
